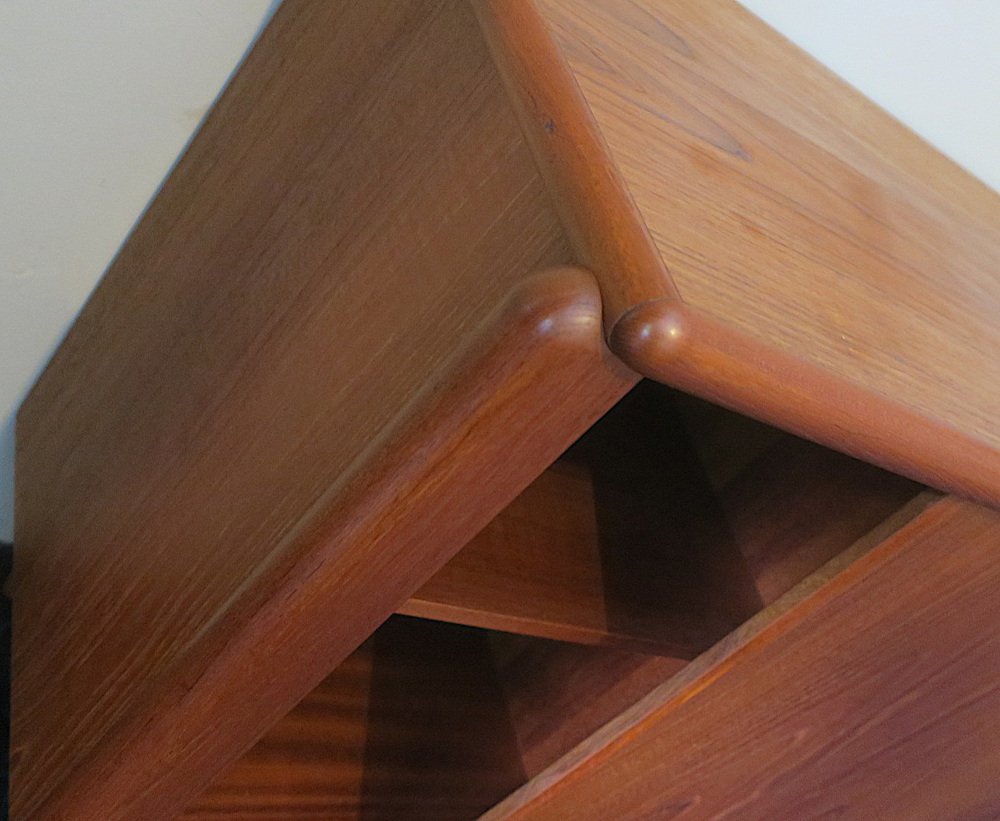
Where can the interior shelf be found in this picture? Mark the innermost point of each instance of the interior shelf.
(662, 530)
(664, 527)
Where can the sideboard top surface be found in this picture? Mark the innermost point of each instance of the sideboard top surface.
(780, 203)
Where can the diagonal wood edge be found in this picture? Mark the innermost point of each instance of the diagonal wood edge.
(733, 366)
(669, 342)
(534, 377)
(854, 566)
(360, 197)
(602, 221)
(630, 541)
(428, 688)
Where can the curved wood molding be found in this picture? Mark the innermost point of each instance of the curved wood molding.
(356, 205)
(512, 399)
(833, 274)
(669, 342)
(606, 228)
(324, 359)
(662, 529)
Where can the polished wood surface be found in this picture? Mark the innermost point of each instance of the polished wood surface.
(535, 570)
(485, 712)
(806, 236)
(429, 721)
(875, 697)
(298, 338)
(672, 344)
(357, 322)
(310, 764)
(622, 542)
(412, 725)
(666, 526)
(605, 227)
(558, 694)
(424, 488)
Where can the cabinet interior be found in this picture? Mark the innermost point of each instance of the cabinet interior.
(669, 524)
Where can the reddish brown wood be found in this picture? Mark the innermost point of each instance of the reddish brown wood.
(535, 569)
(322, 363)
(670, 343)
(664, 527)
(310, 764)
(875, 697)
(622, 543)
(412, 725)
(303, 321)
(558, 694)
(423, 695)
(841, 266)
(424, 488)
(606, 229)
(799, 505)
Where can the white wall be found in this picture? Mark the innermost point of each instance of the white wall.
(934, 64)
(97, 97)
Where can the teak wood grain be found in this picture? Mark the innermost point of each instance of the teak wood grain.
(422, 490)
(876, 697)
(356, 750)
(257, 427)
(787, 505)
(344, 337)
(558, 694)
(791, 250)
(622, 542)
(663, 528)
(308, 765)
(412, 725)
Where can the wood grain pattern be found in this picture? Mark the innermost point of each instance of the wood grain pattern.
(412, 725)
(675, 345)
(378, 533)
(308, 765)
(605, 227)
(323, 362)
(827, 244)
(893, 713)
(534, 570)
(268, 365)
(621, 543)
(558, 694)
(424, 488)
(668, 524)
(430, 721)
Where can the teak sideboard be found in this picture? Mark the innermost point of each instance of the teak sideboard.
(537, 409)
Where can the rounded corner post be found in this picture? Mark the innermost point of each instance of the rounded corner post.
(602, 221)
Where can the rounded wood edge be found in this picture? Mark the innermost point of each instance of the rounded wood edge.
(562, 303)
(598, 212)
(441, 471)
(667, 341)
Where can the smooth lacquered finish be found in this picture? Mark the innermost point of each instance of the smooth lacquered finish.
(416, 250)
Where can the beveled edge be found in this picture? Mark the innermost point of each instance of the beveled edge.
(667, 341)
(451, 459)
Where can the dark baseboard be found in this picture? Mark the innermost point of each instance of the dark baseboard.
(6, 559)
